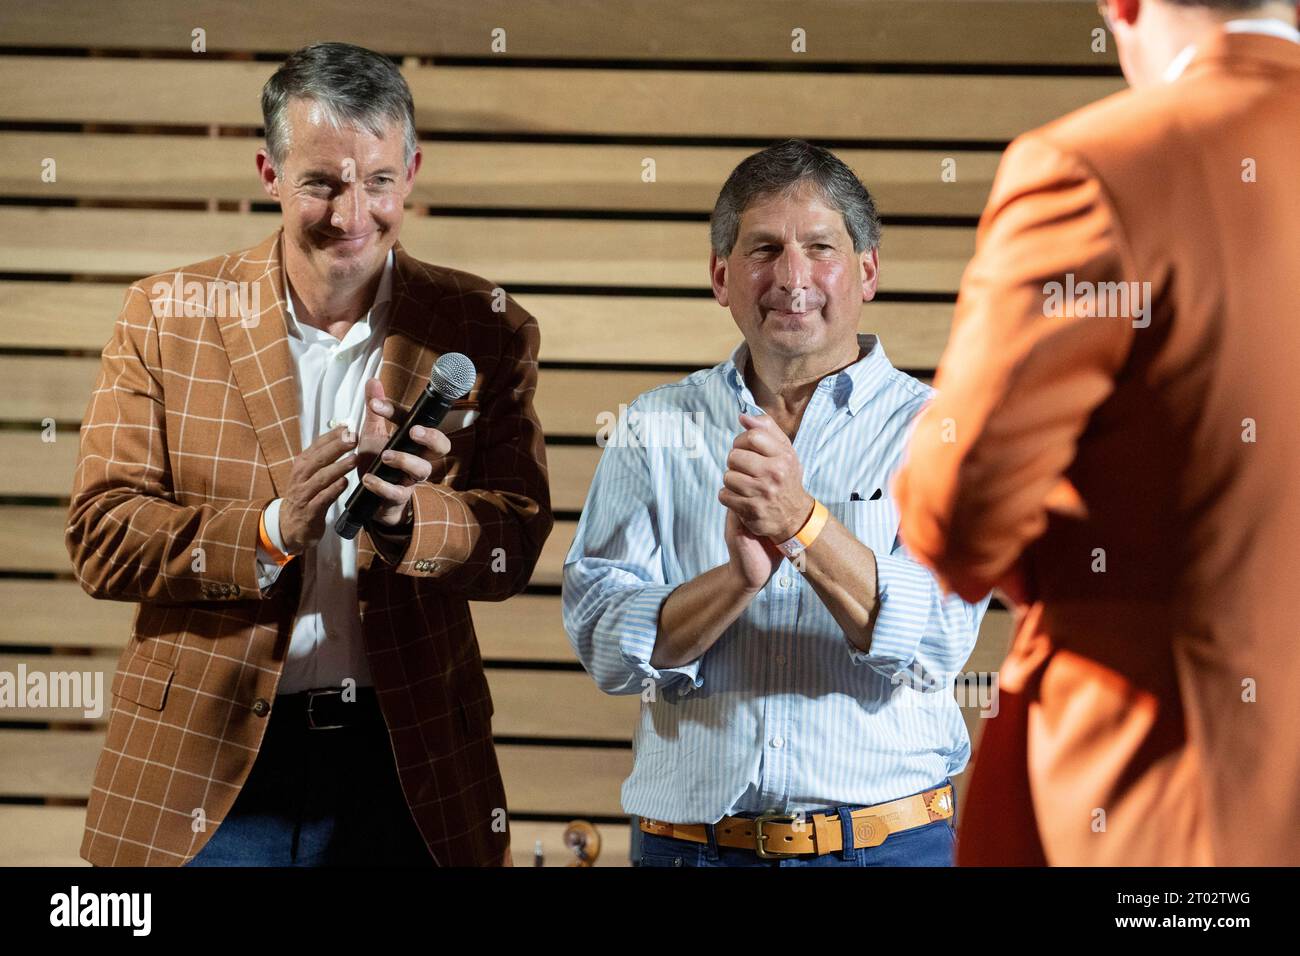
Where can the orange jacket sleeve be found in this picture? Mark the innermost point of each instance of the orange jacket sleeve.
(1027, 363)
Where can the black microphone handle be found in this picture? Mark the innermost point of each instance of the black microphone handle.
(429, 411)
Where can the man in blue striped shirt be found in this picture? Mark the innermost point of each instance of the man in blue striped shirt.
(737, 563)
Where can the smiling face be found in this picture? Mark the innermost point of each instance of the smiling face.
(341, 193)
(792, 281)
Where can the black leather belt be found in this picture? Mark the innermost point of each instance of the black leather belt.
(326, 709)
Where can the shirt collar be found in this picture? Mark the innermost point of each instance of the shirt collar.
(1268, 27)
(851, 386)
(374, 317)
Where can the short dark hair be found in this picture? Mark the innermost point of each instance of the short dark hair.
(352, 85)
(784, 168)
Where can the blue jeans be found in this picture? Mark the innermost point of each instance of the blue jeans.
(929, 845)
(320, 798)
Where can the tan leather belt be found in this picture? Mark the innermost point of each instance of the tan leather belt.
(774, 836)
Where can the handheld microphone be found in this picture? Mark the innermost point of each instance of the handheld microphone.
(452, 378)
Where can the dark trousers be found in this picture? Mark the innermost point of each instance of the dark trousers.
(320, 798)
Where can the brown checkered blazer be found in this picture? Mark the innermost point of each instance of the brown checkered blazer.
(191, 431)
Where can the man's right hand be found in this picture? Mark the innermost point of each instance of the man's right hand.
(319, 476)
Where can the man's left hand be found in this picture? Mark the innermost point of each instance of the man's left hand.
(381, 418)
(764, 480)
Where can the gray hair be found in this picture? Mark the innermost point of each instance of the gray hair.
(353, 86)
(784, 169)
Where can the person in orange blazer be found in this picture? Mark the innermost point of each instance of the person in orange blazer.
(231, 740)
(1114, 444)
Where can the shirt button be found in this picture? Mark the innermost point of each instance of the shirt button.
(780, 660)
(778, 742)
(261, 706)
(784, 581)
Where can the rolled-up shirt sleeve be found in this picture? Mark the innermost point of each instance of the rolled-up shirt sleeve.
(614, 587)
(921, 637)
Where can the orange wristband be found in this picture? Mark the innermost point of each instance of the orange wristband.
(805, 536)
(278, 556)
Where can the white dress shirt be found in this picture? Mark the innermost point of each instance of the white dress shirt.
(1268, 27)
(326, 644)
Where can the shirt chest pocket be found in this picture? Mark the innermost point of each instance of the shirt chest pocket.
(874, 523)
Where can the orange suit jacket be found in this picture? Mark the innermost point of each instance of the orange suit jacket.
(191, 431)
(1133, 479)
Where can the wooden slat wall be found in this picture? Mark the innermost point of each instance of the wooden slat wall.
(154, 147)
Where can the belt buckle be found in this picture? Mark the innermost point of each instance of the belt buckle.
(760, 837)
(311, 699)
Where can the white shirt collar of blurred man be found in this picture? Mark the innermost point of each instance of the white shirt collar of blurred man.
(1274, 28)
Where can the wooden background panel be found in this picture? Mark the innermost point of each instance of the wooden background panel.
(845, 31)
(507, 250)
(589, 102)
(592, 177)
(59, 614)
(41, 836)
(30, 466)
(675, 330)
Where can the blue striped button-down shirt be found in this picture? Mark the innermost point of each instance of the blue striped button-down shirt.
(782, 712)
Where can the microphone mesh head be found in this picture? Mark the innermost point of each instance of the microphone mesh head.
(453, 375)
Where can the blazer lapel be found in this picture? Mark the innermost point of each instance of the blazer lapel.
(257, 345)
(407, 358)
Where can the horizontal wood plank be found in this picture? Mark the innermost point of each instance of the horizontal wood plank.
(510, 251)
(575, 328)
(541, 100)
(593, 177)
(845, 31)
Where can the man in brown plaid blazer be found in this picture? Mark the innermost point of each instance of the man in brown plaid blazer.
(194, 430)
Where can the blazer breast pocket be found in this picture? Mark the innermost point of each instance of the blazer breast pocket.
(874, 523)
(143, 681)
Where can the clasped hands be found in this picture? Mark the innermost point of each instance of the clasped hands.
(765, 499)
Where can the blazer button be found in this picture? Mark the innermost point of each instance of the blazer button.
(261, 706)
